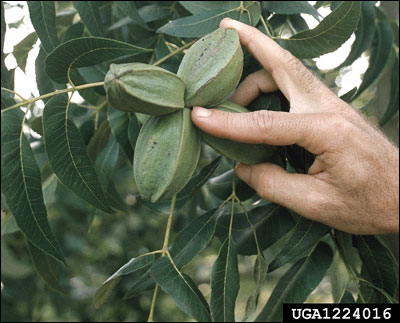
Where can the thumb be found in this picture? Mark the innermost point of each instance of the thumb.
(265, 126)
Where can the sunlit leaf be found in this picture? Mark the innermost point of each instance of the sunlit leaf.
(379, 57)
(364, 33)
(205, 22)
(393, 106)
(43, 18)
(22, 49)
(291, 8)
(331, 32)
(86, 51)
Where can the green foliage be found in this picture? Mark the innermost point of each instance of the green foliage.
(298, 282)
(22, 190)
(97, 222)
(135, 264)
(332, 32)
(224, 283)
(67, 154)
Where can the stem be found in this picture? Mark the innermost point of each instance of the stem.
(163, 252)
(265, 26)
(154, 53)
(13, 92)
(180, 49)
(233, 200)
(231, 221)
(47, 95)
(151, 253)
(168, 229)
(153, 302)
(85, 86)
(383, 292)
(241, 6)
(253, 229)
(268, 30)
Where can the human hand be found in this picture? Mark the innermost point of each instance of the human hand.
(353, 184)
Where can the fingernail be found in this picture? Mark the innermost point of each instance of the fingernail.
(224, 21)
(201, 112)
(243, 171)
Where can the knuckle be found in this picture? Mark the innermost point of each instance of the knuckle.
(228, 120)
(290, 62)
(319, 202)
(338, 133)
(304, 76)
(265, 184)
(263, 121)
(341, 125)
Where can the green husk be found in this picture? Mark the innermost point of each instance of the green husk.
(166, 155)
(212, 67)
(144, 88)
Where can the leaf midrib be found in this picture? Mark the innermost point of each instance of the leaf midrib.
(197, 233)
(174, 268)
(45, 26)
(26, 187)
(324, 31)
(225, 277)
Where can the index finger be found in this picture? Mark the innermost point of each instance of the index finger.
(291, 76)
(263, 48)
